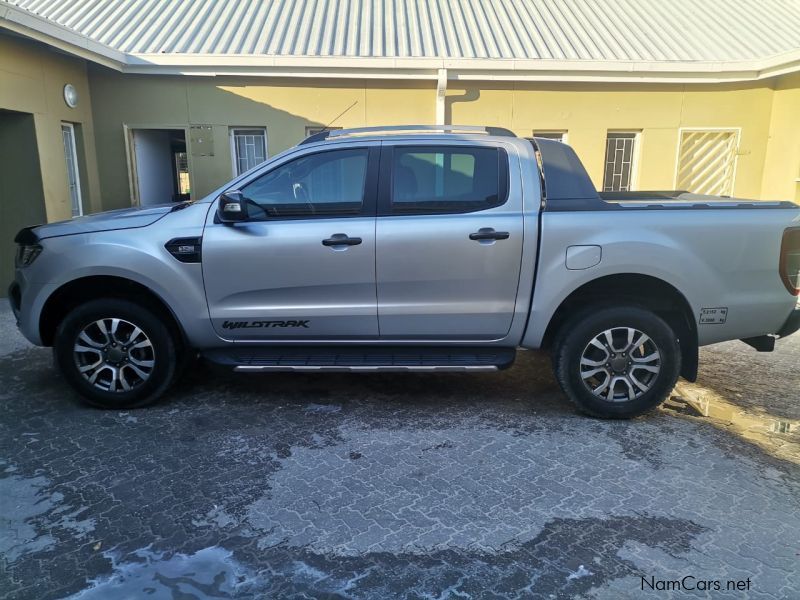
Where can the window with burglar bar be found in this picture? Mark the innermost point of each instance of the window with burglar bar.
(248, 148)
(620, 154)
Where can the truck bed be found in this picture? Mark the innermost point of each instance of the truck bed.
(568, 187)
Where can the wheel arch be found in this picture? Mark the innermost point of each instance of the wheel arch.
(77, 291)
(646, 291)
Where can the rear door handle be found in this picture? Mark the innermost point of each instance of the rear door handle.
(487, 233)
(341, 239)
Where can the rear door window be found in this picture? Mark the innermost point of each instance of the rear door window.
(440, 179)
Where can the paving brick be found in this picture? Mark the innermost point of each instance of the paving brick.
(380, 486)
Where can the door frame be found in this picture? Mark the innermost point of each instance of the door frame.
(75, 166)
(128, 131)
(336, 223)
(528, 201)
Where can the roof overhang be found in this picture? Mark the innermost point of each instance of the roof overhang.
(42, 30)
(423, 68)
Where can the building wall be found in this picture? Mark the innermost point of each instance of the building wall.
(21, 193)
(287, 107)
(782, 166)
(284, 107)
(32, 79)
(588, 112)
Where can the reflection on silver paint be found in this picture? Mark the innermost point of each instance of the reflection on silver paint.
(208, 573)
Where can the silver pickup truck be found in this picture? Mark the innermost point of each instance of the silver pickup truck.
(411, 248)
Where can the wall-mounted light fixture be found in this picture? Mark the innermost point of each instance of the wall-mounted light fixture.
(70, 95)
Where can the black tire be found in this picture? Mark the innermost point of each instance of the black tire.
(161, 349)
(575, 338)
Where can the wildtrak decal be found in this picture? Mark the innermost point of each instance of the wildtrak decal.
(263, 324)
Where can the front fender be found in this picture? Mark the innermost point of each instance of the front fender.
(138, 258)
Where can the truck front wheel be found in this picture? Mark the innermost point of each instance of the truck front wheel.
(115, 353)
(617, 363)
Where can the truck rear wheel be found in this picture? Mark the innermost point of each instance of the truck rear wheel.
(115, 353)
(617, 363)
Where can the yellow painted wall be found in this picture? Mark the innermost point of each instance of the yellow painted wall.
(588, 112)
(782, 166)
(32, 80)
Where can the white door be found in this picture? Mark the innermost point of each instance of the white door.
(155, 180)
(73, 177)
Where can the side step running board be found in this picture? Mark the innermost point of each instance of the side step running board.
(362, 358)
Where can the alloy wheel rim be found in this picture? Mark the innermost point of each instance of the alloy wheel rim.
(620, 364)
(114, 355)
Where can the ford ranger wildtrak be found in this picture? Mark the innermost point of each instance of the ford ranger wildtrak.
(411, 248)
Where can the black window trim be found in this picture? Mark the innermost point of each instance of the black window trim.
(386, 179)
(368, 207)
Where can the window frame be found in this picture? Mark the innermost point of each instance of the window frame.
(386, 185)
(564, 133)
(737, 131)
(310, 129)
(633, 183)
(368, 206)
(232, 142)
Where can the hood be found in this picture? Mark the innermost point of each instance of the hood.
(126, 218)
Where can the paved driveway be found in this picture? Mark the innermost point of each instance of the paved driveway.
(413, 486)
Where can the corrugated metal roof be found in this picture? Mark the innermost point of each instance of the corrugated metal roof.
(599, 30)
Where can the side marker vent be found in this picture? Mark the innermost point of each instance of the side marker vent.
(186, 250)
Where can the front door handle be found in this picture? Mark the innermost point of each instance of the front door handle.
(341, 239)
(487, 233)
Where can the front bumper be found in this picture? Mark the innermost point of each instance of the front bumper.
(27, 300)
(791, 325)
(15, 299)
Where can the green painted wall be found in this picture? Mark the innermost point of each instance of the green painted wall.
(33, 172)
(285, 107)
(21, 192)
(32, 79)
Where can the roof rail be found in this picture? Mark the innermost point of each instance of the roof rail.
(335, 133)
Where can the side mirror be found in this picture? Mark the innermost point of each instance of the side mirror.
(232, 207)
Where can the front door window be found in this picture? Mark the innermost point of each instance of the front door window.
(325, 184)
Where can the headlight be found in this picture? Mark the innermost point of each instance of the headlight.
(27, 254)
